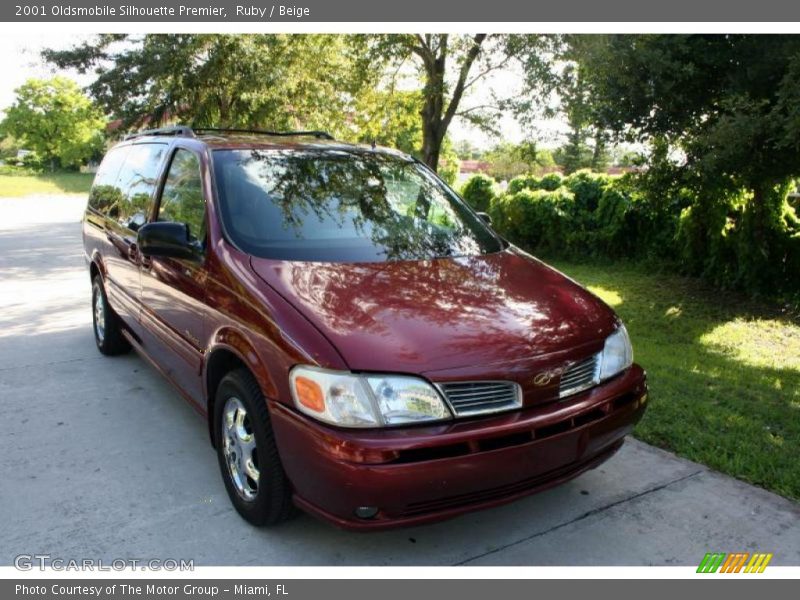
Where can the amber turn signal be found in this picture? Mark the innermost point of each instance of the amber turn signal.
(309, 394)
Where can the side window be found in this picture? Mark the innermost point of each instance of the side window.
(105, 197)
(137, 180)
(182, 199)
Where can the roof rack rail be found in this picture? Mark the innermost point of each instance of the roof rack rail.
(177, 130)
(323, 135)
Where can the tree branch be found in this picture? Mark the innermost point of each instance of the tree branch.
(423, 50)
(458, 91)
(471, 109)
(488, 70)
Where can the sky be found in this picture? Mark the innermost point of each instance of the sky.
(23, 61)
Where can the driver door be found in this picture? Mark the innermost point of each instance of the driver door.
(173, 290)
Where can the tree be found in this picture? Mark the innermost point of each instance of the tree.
(388, 118)
(449, 66)
(528, 152)
(601, 155)
(433, 52)
(268, 81)
(507, 160)
(56, 120)
(297, 81)
(727, 101)
(575, 153)
(625, 157)
(724, 108)
(466, 150)
(572, 86)
(578, 153)
(391, 118)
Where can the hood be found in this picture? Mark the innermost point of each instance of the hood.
(434, 315)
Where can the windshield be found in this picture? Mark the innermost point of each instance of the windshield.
(342, 206)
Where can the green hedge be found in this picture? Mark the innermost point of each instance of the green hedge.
(479, 191)
(549, 182)
(537, 219)
(730, 240)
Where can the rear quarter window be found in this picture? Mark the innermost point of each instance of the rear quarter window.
(125, 183)
(105, 196)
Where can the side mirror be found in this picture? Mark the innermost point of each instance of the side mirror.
(166, 239)
(486, 218)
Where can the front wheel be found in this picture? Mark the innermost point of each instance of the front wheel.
(107, 325)
(247, 453)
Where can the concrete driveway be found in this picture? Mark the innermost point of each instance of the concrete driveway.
(100, 458)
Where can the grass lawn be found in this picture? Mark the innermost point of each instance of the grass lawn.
(17, 182)
(724, 372)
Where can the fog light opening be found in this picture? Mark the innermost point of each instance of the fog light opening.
(366, 512)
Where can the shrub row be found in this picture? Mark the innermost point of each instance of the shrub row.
(730, 241)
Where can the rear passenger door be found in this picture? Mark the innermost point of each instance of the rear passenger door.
(173, 290)
(137, 181)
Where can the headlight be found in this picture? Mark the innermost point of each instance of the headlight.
(350, 400)
(617, 354)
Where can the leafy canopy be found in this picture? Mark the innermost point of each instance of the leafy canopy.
(267, 81)
(729, 102)
(346, 84)
(56, 120)
(507, 160)
(448, 68)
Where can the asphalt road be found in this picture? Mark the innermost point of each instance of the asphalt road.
(100, 458)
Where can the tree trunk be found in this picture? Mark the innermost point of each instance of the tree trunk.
(432, 134)
(224, 113)
(598, 154)
(436, 117)
(431, 143)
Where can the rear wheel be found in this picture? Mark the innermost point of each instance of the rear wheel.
(247, 453)
(107, 325)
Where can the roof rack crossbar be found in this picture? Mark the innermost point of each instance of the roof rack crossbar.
(177, 130)
(186, 131)
(323, 135)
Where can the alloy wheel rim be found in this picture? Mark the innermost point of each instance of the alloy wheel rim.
(239, 449)
(99, 316)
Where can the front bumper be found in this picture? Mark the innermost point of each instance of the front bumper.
(415, 475)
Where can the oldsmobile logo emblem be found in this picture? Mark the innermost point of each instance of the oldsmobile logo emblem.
(546, 377)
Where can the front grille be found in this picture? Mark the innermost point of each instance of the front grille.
(580, 376)
(480, 397)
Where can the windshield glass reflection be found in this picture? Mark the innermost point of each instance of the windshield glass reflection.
(343, 206)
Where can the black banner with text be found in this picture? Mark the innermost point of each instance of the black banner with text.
(512, 11)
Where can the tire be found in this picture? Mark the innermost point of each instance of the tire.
(106, 324)
(246, 446)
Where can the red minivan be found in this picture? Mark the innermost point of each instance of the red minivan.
(363, 344)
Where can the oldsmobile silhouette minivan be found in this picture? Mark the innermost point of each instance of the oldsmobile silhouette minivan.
(363, 345)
